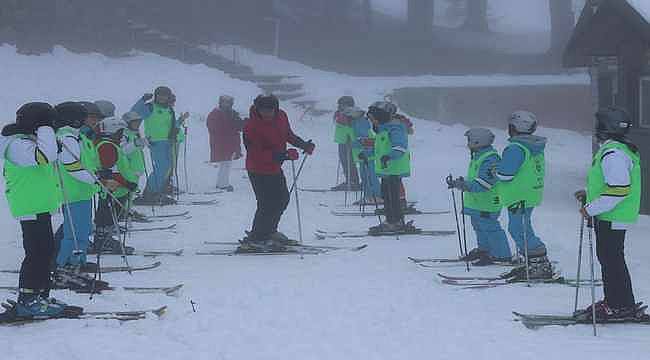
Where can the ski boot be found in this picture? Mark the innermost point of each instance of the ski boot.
(604, 312)
(281, 239)
(254, 244)
(32, 305)
(89, 267)
(539, 268)
(69, 277)
(474, 255)
(109, 245)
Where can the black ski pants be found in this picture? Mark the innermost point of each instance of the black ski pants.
(390, 190)
(272, 199)
(611, 255)
(38, 242)
(349, 167)
(105, 211)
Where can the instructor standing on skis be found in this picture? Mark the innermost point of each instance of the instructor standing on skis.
(613, 198)
(266, 135)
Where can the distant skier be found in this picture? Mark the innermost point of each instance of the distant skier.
(482, 202)
(343, 136)
(613, 199)
(266, 135)
(521, 175)
(392, 162)
(363, 151)
(224, 127)
(33, 193)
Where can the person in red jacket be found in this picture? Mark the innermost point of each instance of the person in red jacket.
(224, 126)
(266, 135)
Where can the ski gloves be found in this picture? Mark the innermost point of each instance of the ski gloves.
(458, 183)
(291, 154)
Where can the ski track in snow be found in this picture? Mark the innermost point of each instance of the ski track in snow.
(374, 304)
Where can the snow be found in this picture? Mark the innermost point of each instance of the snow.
(369, 305)
(643, 7)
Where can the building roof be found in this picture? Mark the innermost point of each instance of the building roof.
(600, 30)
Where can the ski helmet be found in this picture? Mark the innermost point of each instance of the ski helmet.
(92, 109)
(379, 112)
(267, 102)
(523, 122)
(131, 116)
(353, 112)
(612, 122)
(345, 101)
(478, 138)
(391, 107)
(111, 125)
(226, 99)
(34, 114)
(162, 95)
(71, 114)
(106, 107)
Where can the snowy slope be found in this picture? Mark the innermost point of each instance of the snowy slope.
(369, 305)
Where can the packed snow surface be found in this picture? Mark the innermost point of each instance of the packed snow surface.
(374, 304)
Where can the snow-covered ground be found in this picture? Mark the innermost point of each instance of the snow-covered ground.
(369, 305)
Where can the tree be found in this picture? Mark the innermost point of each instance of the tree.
(476, 19)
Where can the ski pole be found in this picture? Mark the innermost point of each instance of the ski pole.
(295, 193)
(338, 172)
(146, 174)
(294, 186)
(348, 186)
(525, 235)
(374, 196)
(580, 242)
(462, 212)
(593, 281)
(66, 207)
(453, 200)
(185, 170)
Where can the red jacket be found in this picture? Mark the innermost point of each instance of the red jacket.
(264, 139)
(224, 131)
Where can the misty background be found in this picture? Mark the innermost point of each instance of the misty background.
(363, 37)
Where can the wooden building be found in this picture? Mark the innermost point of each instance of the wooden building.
(612, 39)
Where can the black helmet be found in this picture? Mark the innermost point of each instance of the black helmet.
(34, 114)
(269, 102)
(71, 114)
(379, 113)
(106, 107)
(345, 101)
(92, 109)
(162, 91)
(612, 122)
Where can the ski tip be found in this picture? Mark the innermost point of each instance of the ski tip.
(174, 290)
(160, 311)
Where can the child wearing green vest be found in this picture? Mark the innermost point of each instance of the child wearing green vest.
(521, 175)
(33, 193)
(343, 136)
(482, 202)
(613, 201)
(392, 162)
(363, 152)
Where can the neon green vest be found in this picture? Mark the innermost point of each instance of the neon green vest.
(528, 183)
(123, 168)
(343, 134)
(355, 152)
(383, 146)
(487, 201)
(76, 190)
(136, 157)
(158, 125)
(627, 211)
(31, 190)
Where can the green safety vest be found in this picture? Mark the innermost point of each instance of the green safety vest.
(158, 124)
(487, 201)
(355, 152)
(343, 134)
(528, 184)
(383, 146)
(31, 190)
(123, 168)
(76, 190)
(135, 157)
(627, 211)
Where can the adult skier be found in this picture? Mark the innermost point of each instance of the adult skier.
(613, 200)
(33, 193)
(79, 161)
(343, 136)
(266, 135)
(363, 151)
(521, 175)
(392, 162)
(224, 127)
(158, 124)
(482, 203)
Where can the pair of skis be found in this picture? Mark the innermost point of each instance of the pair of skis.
(322, 234)
(407, 211)
(536, 321)
(288, 250)
(110, 269)
(10, 318)
(482, 282)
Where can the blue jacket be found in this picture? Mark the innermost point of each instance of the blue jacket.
(398, 138)
(144, 109)
(487, 171)
(513, 156)
(361, 127)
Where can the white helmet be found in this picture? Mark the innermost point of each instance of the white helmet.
(479, 138)
(131, 116)
(111, 125)
(523, 122)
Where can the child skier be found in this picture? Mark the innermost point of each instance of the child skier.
(613, 200)
(392, 162)
(33, 193)
(266, 135)
(482, 202)
(224, 127)
(343, 135)
(521, 175)
(364, 154)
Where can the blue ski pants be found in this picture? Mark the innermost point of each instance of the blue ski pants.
(490, 236)
(161, 153)
(81, 212)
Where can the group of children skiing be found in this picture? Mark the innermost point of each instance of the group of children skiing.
(67, 157)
